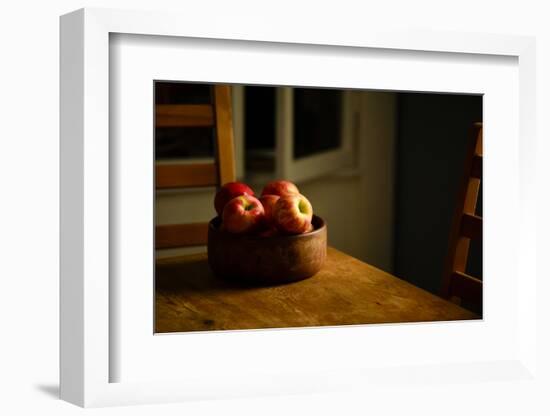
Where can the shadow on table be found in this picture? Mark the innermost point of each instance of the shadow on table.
(194, 275)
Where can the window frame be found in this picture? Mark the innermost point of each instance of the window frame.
(319, 164)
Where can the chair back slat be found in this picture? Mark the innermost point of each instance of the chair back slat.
(184, 115)
(186, 176)
(180, 235)
(471, 227)
(466, 287)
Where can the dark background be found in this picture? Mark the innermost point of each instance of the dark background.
(432, 132)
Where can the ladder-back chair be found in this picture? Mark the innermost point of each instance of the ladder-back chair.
(217, 115)
(465, 226)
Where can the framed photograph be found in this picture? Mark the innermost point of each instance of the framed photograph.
(266, 213)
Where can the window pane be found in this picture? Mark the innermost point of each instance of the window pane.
(317, 120)
(260, 128)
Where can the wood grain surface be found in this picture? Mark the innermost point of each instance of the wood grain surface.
(225, 147)
(181, 235)
(186, 176)
(184, 115)
(346, 291)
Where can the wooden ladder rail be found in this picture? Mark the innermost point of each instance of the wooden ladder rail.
(465, 226)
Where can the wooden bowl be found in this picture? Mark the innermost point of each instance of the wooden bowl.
(267, 260)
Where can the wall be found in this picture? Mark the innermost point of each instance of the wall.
(377, 164)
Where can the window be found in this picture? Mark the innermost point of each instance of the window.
(297, 133)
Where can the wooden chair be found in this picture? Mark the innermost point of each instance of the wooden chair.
(457, 284)
(218, 116)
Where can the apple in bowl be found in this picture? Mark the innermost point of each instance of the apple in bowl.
(254, 259)
(268, 202)
(229, 191)
(280, 188)
(292, 214)
(273, 239)
(243, 214)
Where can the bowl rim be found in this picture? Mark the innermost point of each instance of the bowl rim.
(311, 234)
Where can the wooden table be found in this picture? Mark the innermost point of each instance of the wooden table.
(346, 291)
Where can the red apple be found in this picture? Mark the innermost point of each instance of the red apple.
(293, 214)
(269, 201)
(281, 188)
(242, 214)
(229, 191)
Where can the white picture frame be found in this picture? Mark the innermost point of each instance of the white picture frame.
(86, 264)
